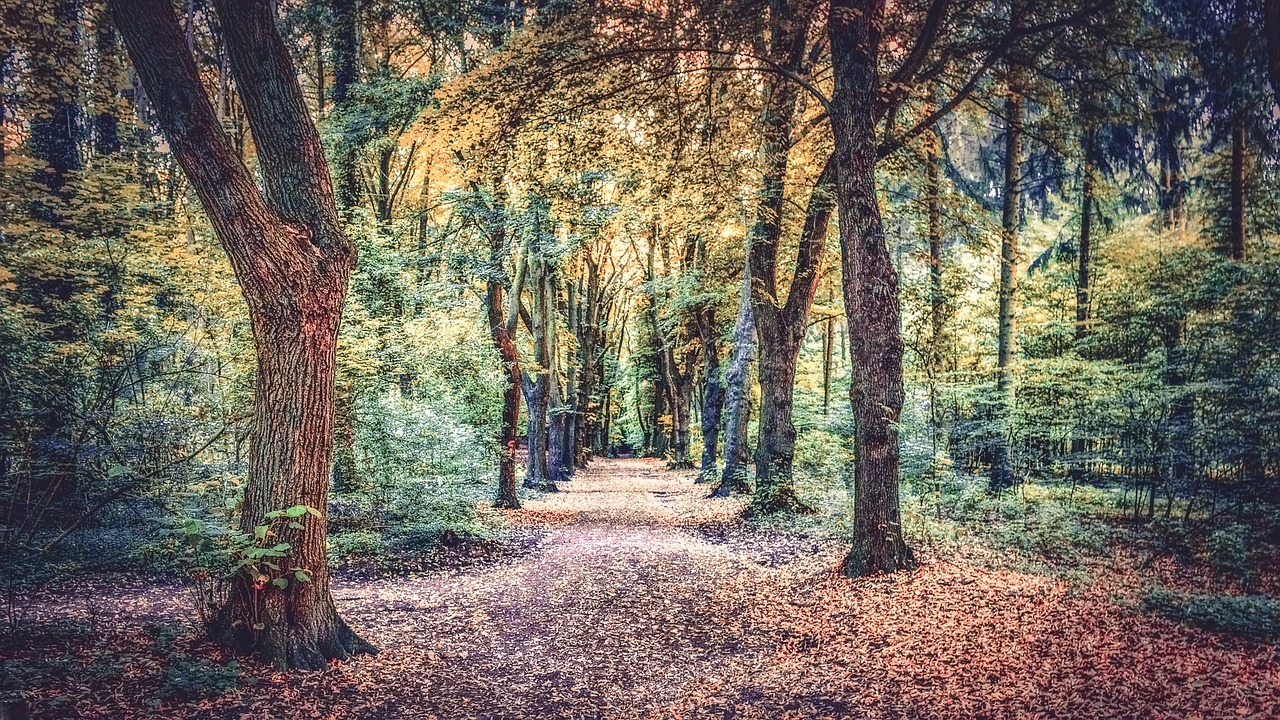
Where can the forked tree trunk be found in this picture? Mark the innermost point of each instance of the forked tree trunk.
(293, 262)
(1084, 256)
(870, 292)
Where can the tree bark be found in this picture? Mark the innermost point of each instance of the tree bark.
(346, 75)
(937, 296)
(1236, 235)
(537, 381)
(738, 398)
(293, 262)
(780, 330)
(1271, 23)
(713, 392)
(501, 331)
(1084, 256)
(1001, 472)
(870, 292)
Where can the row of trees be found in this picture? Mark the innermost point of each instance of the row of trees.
(635, 206)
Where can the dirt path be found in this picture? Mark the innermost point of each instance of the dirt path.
(621, 607)
(643, 599)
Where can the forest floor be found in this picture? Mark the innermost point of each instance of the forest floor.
(630, 595)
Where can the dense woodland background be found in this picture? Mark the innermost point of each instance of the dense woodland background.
(591, 229)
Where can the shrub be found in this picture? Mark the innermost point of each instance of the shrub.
(1228, 550)
(1253, 616)
(200, 678)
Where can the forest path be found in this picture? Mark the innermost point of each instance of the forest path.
(637, 595)
(642, 599)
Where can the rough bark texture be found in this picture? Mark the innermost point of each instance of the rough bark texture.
(502, 332)
(738, 399)
(536, 382)
(293, 263)
(870, 292)
(1001, 474)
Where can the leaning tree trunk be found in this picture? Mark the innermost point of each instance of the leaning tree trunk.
(870, 293)
(293, 262)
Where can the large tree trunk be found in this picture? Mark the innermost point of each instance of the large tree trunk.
(1001, 473)
(776, 434)
(870, 292)
(293, 262)
(738, 398)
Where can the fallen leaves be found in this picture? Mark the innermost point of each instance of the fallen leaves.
(645, 600)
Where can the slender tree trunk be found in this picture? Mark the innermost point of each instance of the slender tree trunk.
(828, 344)
(1180, 443)
(712, 395)
(682, 375)
(1084, 271)
(1001, 474)
(937, 296)
(870, 292)
(1271, 23)
(1236, 232)
(293, 262)
(346, 74)
(501, 332)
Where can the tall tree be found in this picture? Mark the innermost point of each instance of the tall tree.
(781, 322)
(1010, 222)
(293, 261)
(870, 291)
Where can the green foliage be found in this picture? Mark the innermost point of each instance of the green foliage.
(1253, 616)
(188, 678)
(1228, 549)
